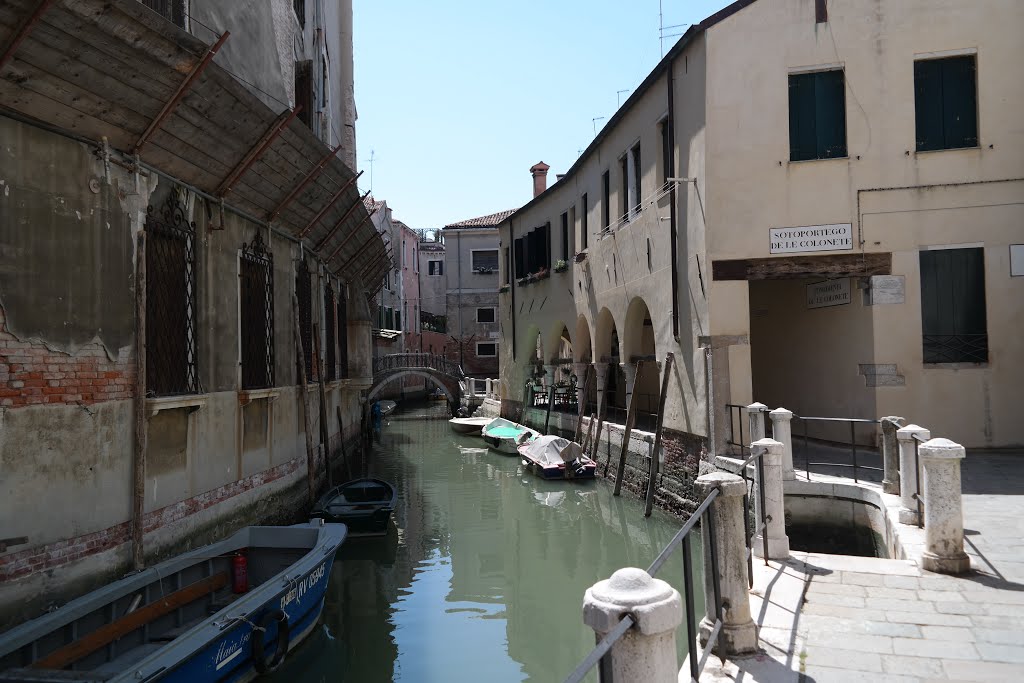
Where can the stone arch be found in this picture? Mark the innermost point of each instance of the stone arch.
(559, 343)
(605, 335)
(451, 393)
(581, 347)
(638, 332)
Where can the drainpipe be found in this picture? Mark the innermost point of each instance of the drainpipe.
(672, 198)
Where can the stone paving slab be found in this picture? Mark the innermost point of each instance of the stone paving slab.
(837, 618)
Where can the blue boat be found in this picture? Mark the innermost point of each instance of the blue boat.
(206, 615)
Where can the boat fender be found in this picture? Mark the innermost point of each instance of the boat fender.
(259, 656)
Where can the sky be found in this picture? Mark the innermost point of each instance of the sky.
(457, 99)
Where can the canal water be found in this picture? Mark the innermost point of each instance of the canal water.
(483, 573)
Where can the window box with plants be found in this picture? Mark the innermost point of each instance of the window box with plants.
(542, 274)
(561, 266)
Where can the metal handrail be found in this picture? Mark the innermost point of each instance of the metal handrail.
(432, 361)
(853, 422)
(680, 540)
(761, 528)
(918, 440)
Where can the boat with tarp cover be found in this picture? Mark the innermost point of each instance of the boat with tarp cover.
(553, 457)
(505, 436)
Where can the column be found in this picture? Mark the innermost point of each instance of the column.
(755, 415)
(943, 507)
(580, 370)
(647, 652)
(630, 371)
(739, 633)
(775, 531)
(601, 373)
(549, 375)
(890, 455)
(782, 431)
(908, 471)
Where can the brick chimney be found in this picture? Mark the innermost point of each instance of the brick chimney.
(540, 177)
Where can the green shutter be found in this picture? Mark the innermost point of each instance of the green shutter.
(928, 104)
(802, 134)
(953, 317)
(519, 249)
(830, 114)
(959, 102)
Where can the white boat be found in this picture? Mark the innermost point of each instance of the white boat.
(552, 457)
(468, 425)
(505, 436)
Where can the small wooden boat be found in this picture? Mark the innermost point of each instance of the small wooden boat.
(505, 436)
(552, 457)
(364, 505)
(225, 612)
(387, 407)
(469, 425)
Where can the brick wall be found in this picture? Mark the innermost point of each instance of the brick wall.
(31, 373)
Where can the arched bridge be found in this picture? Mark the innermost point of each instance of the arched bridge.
(447, 374)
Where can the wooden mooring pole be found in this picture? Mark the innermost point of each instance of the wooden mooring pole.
(310, 460)
(141, 435)
(325, 435)
(344, 456)
(595, 447)
(627, 431)
(583, 404)
(656, 453)
(551, 400)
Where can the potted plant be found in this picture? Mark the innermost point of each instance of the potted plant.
(561, 266)
(503, 289)
(541, 274)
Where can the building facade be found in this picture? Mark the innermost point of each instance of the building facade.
(173, 253)
(813, 205)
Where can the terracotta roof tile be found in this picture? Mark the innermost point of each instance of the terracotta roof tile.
(490, 220)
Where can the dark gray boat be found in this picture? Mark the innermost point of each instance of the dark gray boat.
(363, 505)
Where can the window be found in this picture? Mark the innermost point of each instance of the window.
(817, 116)
(170, 301)
(606, 201)
(304, 295)
(484, 260)
(486, 349)
(415, 259)
(584, 231)
(508, 264)
(304, 91)
(435, 267)
(343, 333)
(403, 254)
(633, 181)
(519, 246)
(485, 315)
(666, 153)
(398, 319)
(300, 11)
(330, 325)
(945, 103)
(565, 236)
(256, 296)
(953, 323)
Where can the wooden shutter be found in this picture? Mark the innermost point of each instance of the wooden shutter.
(830, 114)
(802, 134)
(520, 258)
(565, 236)
(959, 102)
(953, 318)
(928, 104)
(304, 91)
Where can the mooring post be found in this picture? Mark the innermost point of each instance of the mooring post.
(647, 652)
(773, 511)
(909, 471)
(782, 431)
(727, 548)
(890, 454)
(755, 416)
(943, 508)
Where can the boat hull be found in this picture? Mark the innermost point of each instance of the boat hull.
(362, 505)
(555, 472)
(467, 425)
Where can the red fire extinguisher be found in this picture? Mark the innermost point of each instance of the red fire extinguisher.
(239, 573)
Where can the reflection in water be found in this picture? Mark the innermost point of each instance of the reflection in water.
(483, 574)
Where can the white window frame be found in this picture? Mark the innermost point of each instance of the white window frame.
(472, 254)
(494, 314)
(435, 274)
(487, 355)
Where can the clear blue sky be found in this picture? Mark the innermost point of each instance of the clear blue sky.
(457, 99)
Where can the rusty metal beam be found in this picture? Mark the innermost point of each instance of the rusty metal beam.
(337, 226)
(340, 245)
(317, 170)
(257, 150)
(22, 33)
(179, 93)
(327, 207)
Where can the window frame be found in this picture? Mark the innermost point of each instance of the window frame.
(486, 355)
(472, 260)
(813, 77)
(439, 269)
(948, 341)
(948, 60)
(494, 314)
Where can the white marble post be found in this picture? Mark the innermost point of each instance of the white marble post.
(782, 431)
(648, 650)
(908, 471)
(487, 385)
(739, 633)
(943, 507)
(890, 455)
(755, 417)
(580, 370)
(601, 376)
(775, 531)
(629, 370)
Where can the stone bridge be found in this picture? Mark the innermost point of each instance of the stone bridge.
(445, 373)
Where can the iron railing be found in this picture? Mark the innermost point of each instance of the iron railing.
(257, 304)
(741, 411)
(853, 422)
(599, 655)
(918, 440)
(750, 531)
(955, 348)
(417, 361)
(170, 300)
(171, 10)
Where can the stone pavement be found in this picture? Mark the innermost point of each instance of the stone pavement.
(839, 618)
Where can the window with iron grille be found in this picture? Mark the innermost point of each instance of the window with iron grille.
(343, 333)
(304, 294)
(256, 294)
(171, 10)
(330, 321)
(170, 301)
(953, 321)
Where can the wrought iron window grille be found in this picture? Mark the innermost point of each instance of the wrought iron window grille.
(330, 315)
(170, 300)
(304, 294)
(257, 306)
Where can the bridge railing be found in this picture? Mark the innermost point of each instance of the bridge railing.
(401, 361)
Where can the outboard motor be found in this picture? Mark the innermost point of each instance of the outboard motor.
(578, 467)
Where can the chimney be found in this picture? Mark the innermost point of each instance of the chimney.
(540, 177)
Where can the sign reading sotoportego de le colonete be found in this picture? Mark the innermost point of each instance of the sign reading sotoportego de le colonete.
(835, 237)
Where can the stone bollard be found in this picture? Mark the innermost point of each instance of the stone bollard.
(782, 431)
(890, 455)
(943, 508)
(775, 531)
(739, 633)
(648, 650)
(755, 415)
(908, 471)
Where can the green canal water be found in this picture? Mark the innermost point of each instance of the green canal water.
(483, 573)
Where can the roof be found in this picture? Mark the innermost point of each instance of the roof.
(372, 204)
(488, 221)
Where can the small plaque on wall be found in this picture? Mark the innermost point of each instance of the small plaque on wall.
(828, 293)
(1016, 260)
(886, 289)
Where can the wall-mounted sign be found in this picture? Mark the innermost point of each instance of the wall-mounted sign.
(886, 289)
(828, 293)
(837, 237)
(1016, 260)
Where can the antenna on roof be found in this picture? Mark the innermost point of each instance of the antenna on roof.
(371, 159)
(618, 95)
(662, 28)
(594, 121)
